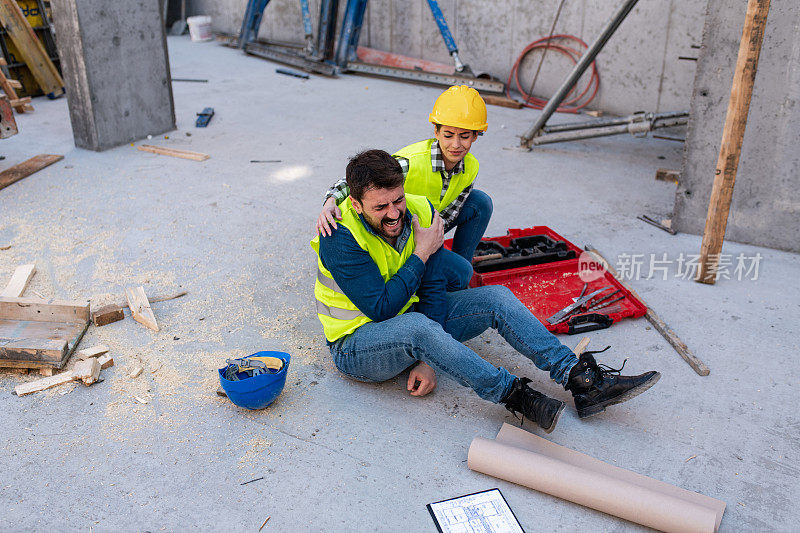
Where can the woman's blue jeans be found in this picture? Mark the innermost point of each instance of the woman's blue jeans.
(470, 225)
(378, 351)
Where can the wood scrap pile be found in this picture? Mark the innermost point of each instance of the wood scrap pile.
(42, 334)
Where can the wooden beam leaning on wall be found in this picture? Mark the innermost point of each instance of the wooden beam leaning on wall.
(730, 149)
(26, 168)
(31, 49)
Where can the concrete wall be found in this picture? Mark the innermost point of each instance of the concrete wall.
(116, 70)
(766, 201)
(639, 68)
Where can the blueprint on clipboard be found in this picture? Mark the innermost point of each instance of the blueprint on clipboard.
(481, 512)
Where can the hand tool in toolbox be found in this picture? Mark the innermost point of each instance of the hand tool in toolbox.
(575, 306)
(589, 306)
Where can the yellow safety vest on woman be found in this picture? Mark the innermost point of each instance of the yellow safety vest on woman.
(340, 316)
(422, 180)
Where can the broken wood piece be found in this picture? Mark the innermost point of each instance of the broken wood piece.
(136, 372)
(19, 281)
(20, 101)
(666, 174)
(594, 113)
(107, 314)
(141, 400)
(42, 384)
(157, 299)
(140, 307)
(87, 371)
(26, 168)
(95, 351)
(501, 101)
(581, 346)
(15, 84)
(46, 371)
(106, 361)
(174, 152)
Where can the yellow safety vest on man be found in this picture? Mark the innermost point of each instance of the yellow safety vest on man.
(421, 178)
(339, 316)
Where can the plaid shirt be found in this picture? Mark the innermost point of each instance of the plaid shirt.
(449, 214)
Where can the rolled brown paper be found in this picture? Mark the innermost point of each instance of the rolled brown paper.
(528, 460)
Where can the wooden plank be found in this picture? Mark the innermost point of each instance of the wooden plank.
(174, 152)
(732, 136)
(42, 384)
(37, 344)
(86, 371)
(94, 351)
(140, 307)
(26, 168)
(31, 49)
(44, 310)
(501, 101)
(21, 101)
(15, 84)
(107, 314)
(666, 174)
(656, 321)
(19, 281)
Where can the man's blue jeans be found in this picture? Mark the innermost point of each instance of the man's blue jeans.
(378, 351)
(470, 226)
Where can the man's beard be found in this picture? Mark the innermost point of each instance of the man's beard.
(390, 232)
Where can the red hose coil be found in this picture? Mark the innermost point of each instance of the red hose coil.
(569, 105)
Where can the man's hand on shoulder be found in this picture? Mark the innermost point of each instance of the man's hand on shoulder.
(328, 217)
(421, 379)
(430, 239)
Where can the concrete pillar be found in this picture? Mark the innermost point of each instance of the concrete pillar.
(116, 70)
(765, 209)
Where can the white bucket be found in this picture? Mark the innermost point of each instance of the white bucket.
(200, 28)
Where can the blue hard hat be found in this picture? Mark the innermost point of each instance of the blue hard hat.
(250, 383)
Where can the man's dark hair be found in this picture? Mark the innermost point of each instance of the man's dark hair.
(372, 169)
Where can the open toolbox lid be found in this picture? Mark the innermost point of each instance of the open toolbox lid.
(547, 288)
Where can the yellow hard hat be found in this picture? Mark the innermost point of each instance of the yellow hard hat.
(461, 107)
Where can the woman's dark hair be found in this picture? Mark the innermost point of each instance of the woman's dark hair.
(372, 169)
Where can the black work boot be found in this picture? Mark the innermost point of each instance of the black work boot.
(533, 405)
(594, 387)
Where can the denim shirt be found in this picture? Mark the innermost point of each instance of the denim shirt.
(359, 277)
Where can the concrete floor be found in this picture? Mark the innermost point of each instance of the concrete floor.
(337, 455)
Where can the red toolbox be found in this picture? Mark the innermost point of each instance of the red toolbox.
(547, 288)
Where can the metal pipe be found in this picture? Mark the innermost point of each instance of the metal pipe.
(634, 128)
(577, 71)
(611, 121)
(328, 13)
(351, 28)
